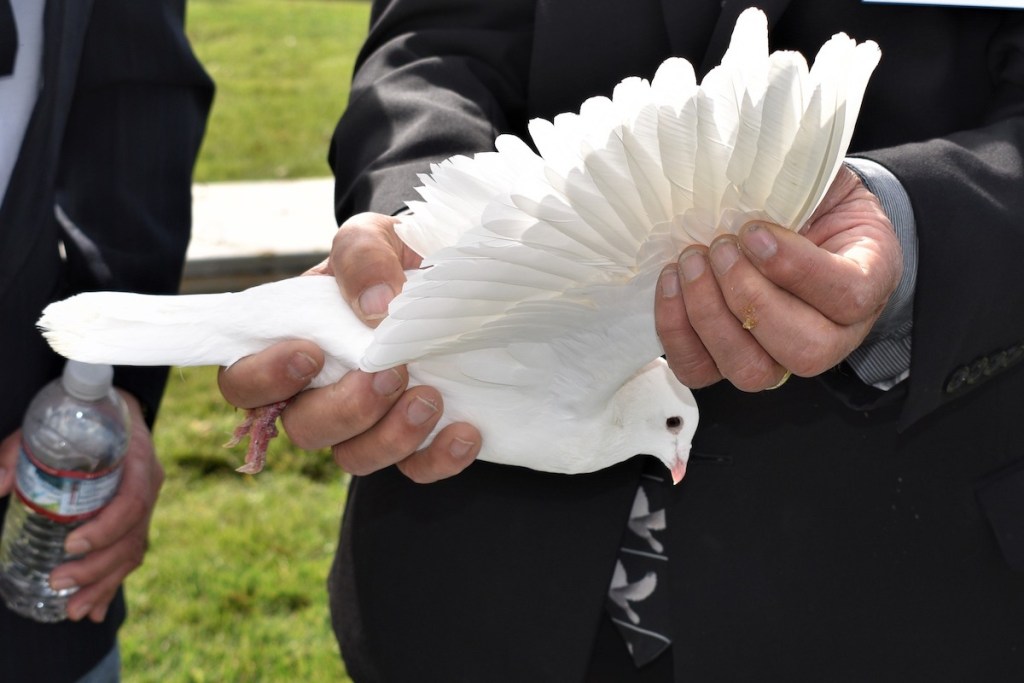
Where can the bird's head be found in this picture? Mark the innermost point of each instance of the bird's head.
(658, 416)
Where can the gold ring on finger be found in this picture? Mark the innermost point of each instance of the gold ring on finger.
(749, 318)
(785, 378)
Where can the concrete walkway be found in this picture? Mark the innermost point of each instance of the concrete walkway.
(244, 233)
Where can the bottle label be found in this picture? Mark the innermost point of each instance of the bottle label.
(61, 495)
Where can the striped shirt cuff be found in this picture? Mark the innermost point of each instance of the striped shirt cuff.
(883, 359)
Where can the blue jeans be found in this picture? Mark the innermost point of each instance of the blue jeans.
(107, 671)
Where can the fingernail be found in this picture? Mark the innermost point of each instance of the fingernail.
(691, 264)
(101, 614)
(724, 255)
(759, 241)
(374, 300)
(460, 448)
(420, 410)
(62, 583)
(669, 283)
(77, 546)
(387, 382)
(79, 612)
(301, 366)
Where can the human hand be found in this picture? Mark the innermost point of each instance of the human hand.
(774, 301)
(114, 542)
(369, 420)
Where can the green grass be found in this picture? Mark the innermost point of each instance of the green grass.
(282, 69)
(233, 586)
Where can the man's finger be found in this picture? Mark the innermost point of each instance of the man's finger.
(395, 437)
(274, 374)
(738, 356)
(684, 350)
(369, 262)
(453, 449)
(110, 567)
(322, 417)
(847, 287)
(8, 461)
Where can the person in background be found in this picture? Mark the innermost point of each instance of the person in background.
(862, 521)
(102, 109)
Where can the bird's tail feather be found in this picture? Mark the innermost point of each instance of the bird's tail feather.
(135, 329)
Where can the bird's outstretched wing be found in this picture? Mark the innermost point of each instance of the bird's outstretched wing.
(522, 247)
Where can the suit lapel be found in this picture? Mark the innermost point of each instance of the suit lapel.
(66, 24)
(28, 201)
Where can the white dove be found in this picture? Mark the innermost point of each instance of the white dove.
(533, 311)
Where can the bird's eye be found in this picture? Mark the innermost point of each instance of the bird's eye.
(674, 422)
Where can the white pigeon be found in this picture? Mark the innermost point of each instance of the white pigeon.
(533, 312)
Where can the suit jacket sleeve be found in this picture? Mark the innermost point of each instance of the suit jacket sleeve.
(435, 78)
(965, 189)
(126, 164)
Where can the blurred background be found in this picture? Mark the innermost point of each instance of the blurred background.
(233, 587)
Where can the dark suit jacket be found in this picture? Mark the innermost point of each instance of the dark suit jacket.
(825, 531)
(112, 141)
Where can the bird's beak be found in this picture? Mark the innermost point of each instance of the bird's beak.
(678, 470)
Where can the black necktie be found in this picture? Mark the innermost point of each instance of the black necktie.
(8, 38)
(639, 593)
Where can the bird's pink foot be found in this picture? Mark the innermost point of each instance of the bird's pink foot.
(260, 425)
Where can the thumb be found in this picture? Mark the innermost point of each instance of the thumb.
(369, 260)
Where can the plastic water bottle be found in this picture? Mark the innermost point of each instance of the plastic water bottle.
(73, 443)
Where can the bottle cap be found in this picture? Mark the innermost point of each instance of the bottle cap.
(87, 381)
